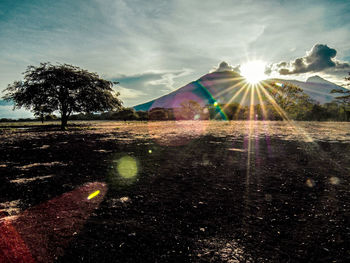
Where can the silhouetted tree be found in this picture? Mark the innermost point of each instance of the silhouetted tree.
(143, 115)
(344, 100)
(302, 109)
(158, 114)
(50, 117)
(189, 110)
(125, 114)
(64, 88)
(285, 95)
(318, 113)
(291, 99)
(41, 112)
(231, 110)
(333, 111)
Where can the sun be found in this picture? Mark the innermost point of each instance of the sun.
(253, 71)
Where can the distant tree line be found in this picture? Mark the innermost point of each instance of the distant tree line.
(302, 109)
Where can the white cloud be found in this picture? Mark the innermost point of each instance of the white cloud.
(168, 79)
(126, 93)
(7, 112)
(139, 88)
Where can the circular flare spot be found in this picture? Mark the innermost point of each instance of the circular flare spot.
(127, 167)
(334, 180)
(310, 182)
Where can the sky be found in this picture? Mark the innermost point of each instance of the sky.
(153, 47)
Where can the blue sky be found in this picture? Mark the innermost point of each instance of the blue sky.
(154, 46)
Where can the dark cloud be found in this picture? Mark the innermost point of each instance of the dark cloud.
(268, 70)
(319, 58)
(224, 66)
(282, 64)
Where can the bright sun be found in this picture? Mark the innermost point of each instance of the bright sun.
(253, 71)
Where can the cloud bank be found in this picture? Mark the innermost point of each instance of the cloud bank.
(320, 58)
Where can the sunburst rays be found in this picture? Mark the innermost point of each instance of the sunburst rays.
(240, 80)
(284, 115)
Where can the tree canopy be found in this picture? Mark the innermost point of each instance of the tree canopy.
(64, 88)
(189, 110)
(285, 95)
(344, 99)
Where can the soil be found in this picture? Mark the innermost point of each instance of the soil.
(190, 191)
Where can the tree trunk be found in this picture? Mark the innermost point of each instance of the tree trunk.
(347, 114)
(64, 120)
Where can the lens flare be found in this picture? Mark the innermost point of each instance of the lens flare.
(94, 194)
(42, 232)
(334, 180)
(127, 167)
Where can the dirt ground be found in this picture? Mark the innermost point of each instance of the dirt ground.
(190, 191)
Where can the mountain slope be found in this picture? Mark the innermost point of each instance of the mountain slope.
(210, 88)
(226, 87)
(317, 88)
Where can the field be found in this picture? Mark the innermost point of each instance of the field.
(190, 191)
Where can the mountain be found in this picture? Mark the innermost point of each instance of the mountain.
(214, 87)
(6, 103)
(226, 87)
(317, 88)
(318, 79)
